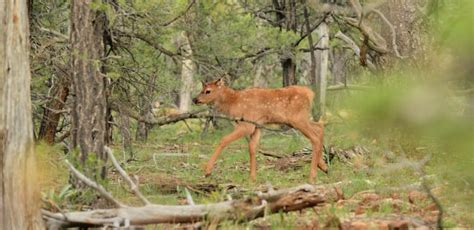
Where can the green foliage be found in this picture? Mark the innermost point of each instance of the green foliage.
(53, 200)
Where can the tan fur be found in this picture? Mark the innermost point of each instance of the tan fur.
(290, 105)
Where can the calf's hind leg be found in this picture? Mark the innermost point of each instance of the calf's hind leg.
(318, 127)
(309, 132)
(254, 138)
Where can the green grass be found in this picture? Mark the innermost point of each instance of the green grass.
(173, 157)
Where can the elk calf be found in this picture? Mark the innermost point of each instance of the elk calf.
(290, 105)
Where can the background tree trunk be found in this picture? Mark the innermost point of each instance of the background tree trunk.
(339, 59)
(322, 71)
(89, 107)
(124, 123)
(187, 72)
(146, 109)
(286, 12)
(19, 194)
(312, 70)
(289, 70)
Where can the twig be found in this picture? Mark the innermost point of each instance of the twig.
(418, 167)
(56, 33)
(348, 86)
(191, 3)
(187, 126)
(101, 190)
(122, 172)
(269, 154)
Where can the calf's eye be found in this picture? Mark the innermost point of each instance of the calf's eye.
(207, 92)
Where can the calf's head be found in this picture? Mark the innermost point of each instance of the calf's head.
(210, 92)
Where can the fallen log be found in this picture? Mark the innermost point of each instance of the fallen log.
(285, 200)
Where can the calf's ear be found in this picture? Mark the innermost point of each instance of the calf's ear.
(220, 82)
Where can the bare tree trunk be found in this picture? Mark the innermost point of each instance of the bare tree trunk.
(286, 11)
(89, 106)
(109, 118)
(51, 114)
(187, 72)
(289, 71)
(142, 131)
(19, 193)
(323, 66)
(258, 80)
(146, 106)
(288, 62)
(125, 133)
(262, 74)
(339, 67)
(312, 70)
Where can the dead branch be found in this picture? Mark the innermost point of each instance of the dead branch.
(374, 37)
(269, 154)
(348, 86)
(354, 48)
(125, 176)
(96, 186)
(392, 30)
(376, 43)
(54, 32)
(418, 167)
(199, 114)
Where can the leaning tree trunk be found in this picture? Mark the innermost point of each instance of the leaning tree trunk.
(51, 114)
(89, 106)
(19, 194)
(187, 72)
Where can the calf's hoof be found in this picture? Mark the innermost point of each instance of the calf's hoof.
(323, 166)
(325, 170)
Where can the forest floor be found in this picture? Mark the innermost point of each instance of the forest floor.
(376, 184)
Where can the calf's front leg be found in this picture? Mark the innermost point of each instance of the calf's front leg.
(253, 143)
(240, 130)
